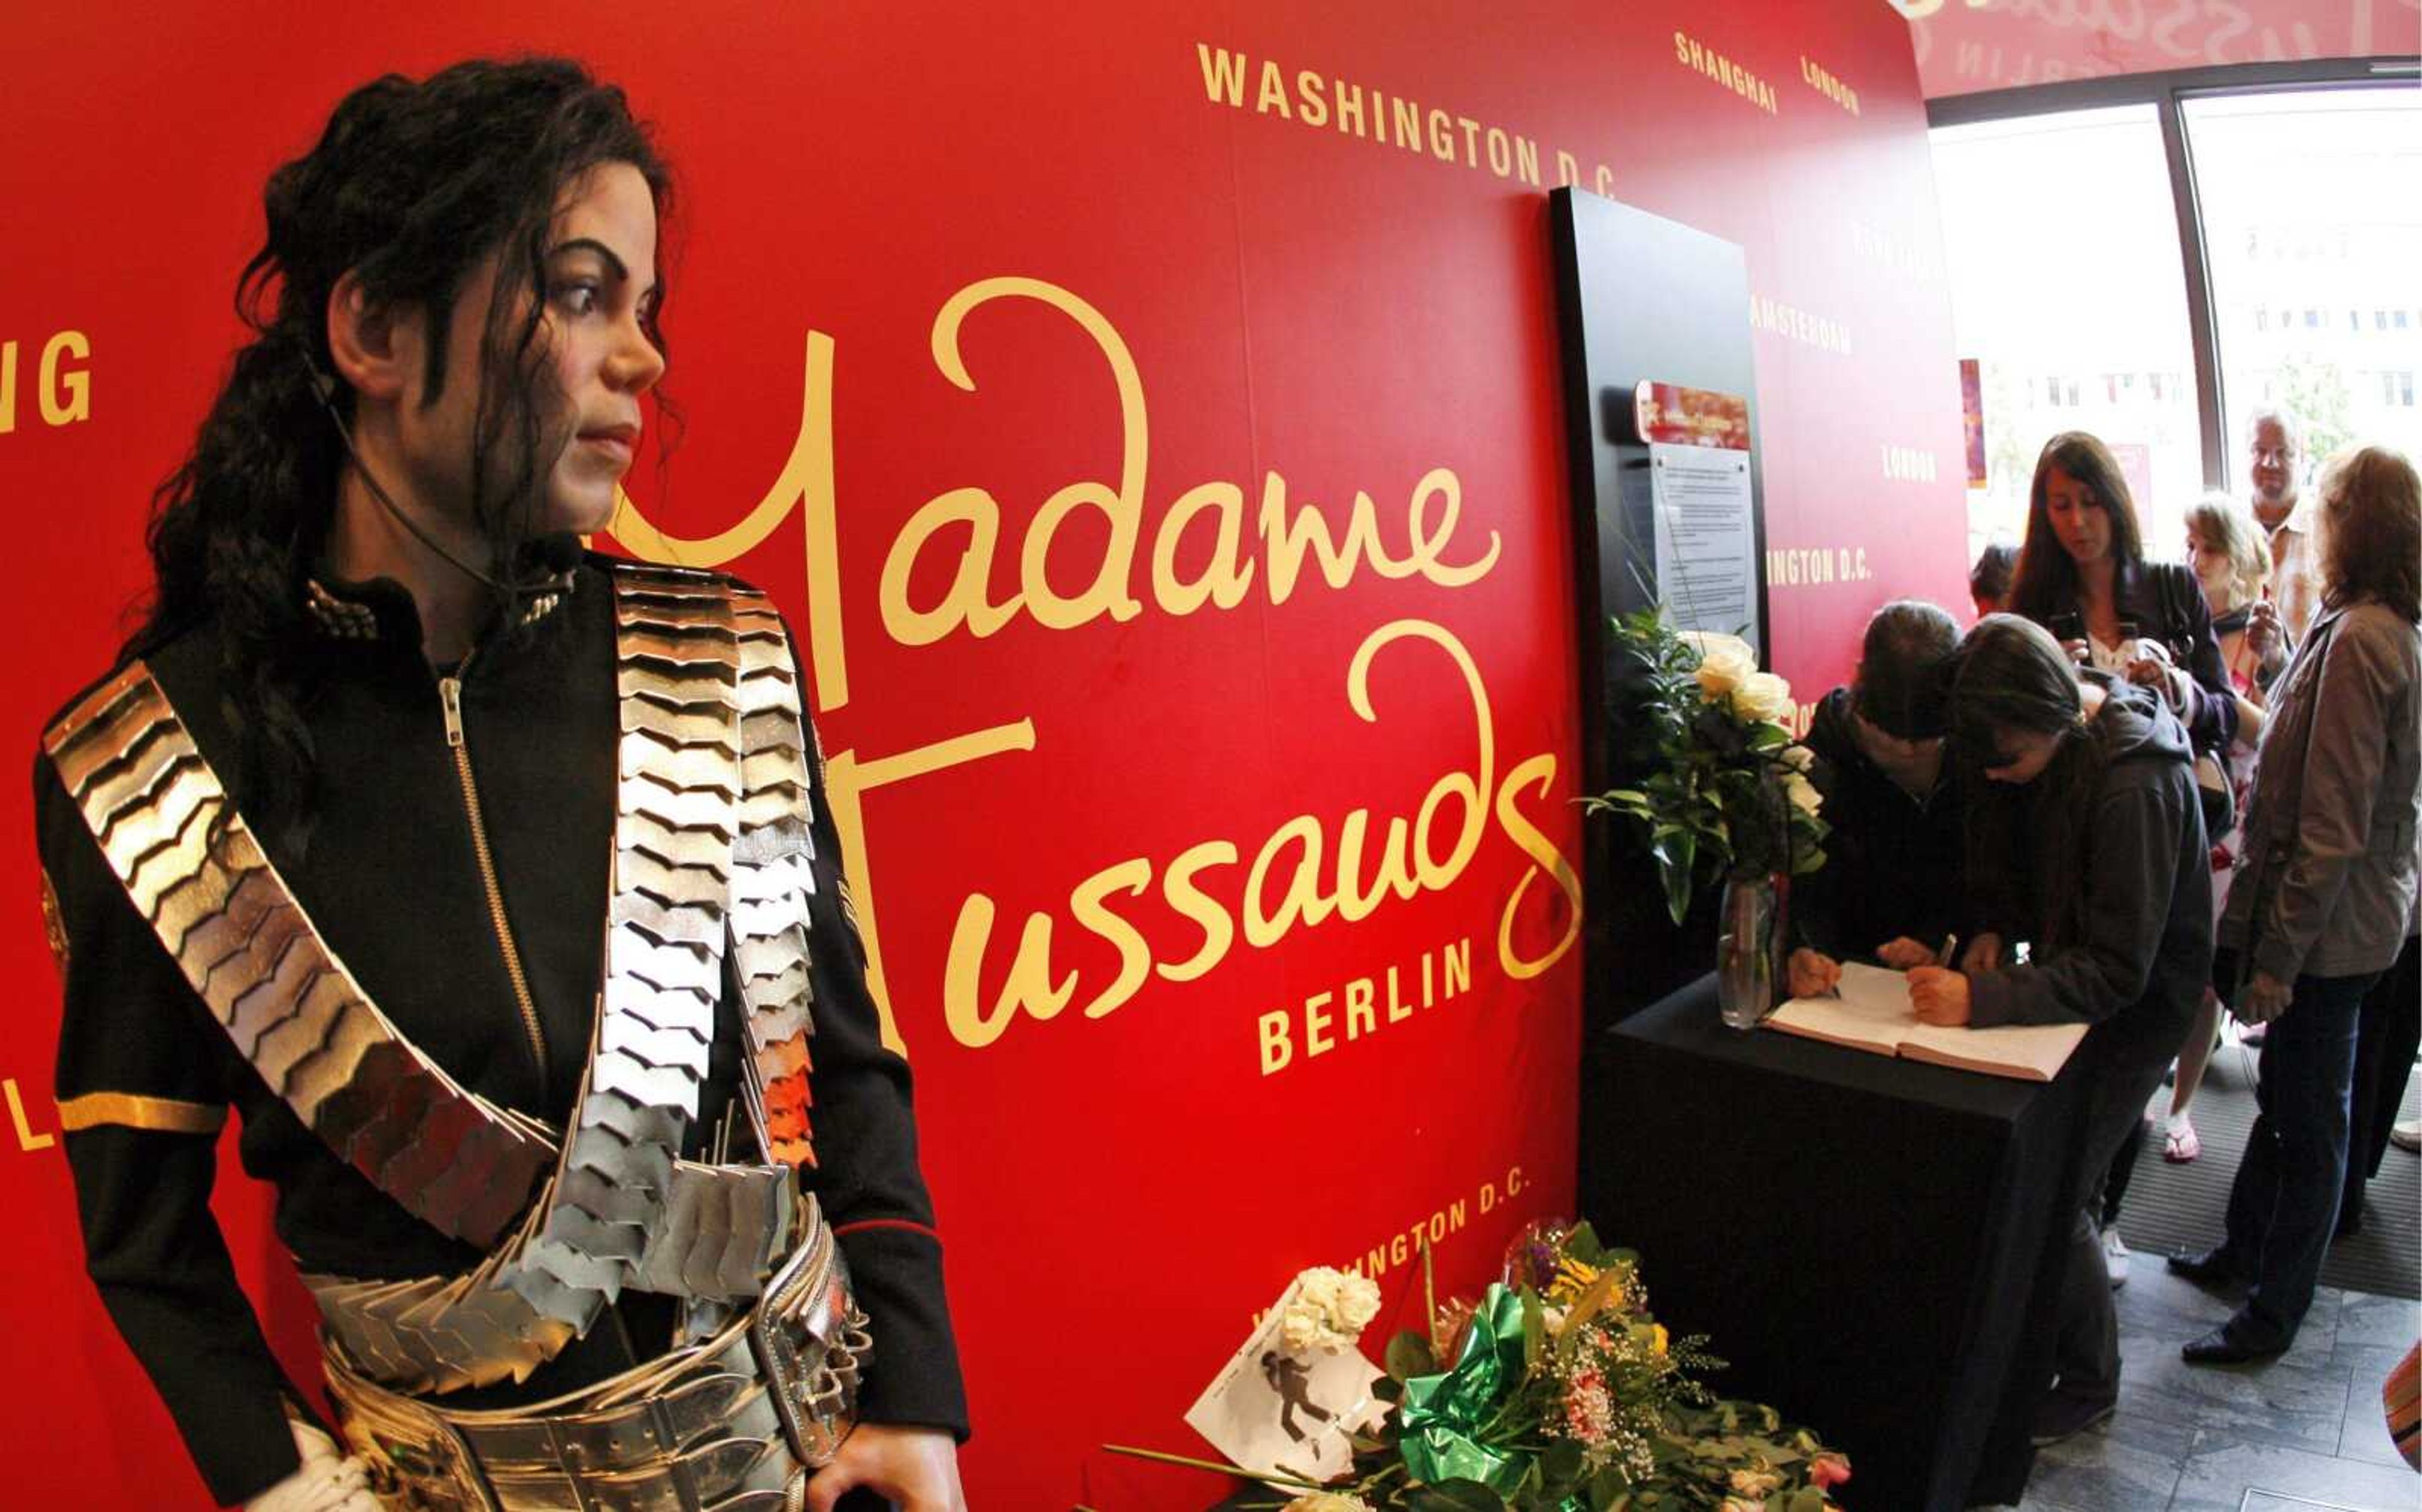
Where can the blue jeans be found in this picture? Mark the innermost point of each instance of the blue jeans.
(2285, 1201)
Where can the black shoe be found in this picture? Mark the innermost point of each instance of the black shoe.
(2207, 1267)
(2227, 1346)
(2062, 1416)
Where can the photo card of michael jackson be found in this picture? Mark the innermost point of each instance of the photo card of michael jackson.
(1273, 1410)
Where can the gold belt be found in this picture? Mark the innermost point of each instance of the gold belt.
(733, 1425)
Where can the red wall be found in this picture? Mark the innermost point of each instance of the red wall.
(1122, 1183)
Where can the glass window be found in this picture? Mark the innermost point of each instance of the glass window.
(2062, 247)
(2339, 169)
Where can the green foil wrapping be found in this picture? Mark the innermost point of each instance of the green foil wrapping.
(1444, 1414)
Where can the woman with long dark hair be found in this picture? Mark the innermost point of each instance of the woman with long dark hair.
(2082, 575)
(2323, 894)
(2085, 829)
(490, 881)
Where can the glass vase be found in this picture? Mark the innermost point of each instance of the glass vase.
(1749, 926)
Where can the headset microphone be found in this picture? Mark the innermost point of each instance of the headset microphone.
(557, 554)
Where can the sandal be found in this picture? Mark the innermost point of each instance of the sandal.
(2180, 1145)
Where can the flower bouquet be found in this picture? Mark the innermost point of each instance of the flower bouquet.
(1557, 1389)
(1725, 794)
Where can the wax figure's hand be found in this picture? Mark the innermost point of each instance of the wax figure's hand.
(2262, 628)
(916, 1467)
(2080, 651)
(1984, 954)
(1812, 973)
(2264, 999)
(1940, 995)
(326, 1482)
(1903, 953)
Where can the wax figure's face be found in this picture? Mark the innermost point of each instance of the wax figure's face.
(2271, 469)
(594, 359)
(600, 293)
(2077, 518)
(2215, 571)
(2019, 756)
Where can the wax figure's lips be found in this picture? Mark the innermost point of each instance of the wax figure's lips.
(622, 439)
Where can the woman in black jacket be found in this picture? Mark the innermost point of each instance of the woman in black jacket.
(2082, 576)
(2085, 821)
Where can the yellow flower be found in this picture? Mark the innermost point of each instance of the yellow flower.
(1757, 1483)
(1661, 1339)
(1572, 1279)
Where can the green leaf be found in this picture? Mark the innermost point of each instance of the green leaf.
(1455, 1496)
(1807, 1499)
(1562, 1463)
(1388, 1389)
(1582, 1243)
(1535, 1328)
(1410, 1355)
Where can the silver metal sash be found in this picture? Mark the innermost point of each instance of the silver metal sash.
(711, 853)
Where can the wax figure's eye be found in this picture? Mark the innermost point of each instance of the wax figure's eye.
(577, 297)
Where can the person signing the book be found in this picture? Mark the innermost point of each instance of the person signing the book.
(2085, 838)
(1894, 862)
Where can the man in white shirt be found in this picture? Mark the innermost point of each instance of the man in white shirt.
(2274, 455)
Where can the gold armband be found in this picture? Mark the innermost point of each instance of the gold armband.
(166, 1115)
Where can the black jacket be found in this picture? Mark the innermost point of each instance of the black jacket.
(390, 877)
(2140, 968)
(1893, 863)
(2167, 605)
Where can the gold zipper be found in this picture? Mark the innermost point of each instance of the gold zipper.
(450, 694)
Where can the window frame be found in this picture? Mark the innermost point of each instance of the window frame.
(2165, 91)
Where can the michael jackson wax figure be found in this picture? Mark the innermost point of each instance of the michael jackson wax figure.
(490, 881)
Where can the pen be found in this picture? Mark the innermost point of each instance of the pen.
(1950, 944)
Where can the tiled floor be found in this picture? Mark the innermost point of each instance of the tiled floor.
(2300, 1430)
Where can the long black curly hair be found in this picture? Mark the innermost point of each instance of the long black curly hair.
(411, 187)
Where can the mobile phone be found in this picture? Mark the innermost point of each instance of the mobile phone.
(2067, 627)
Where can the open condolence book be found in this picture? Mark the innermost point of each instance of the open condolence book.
(1874, 1013)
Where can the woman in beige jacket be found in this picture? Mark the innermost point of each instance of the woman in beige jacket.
(2325, 884)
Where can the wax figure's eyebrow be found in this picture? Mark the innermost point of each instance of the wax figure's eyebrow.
(590, 243)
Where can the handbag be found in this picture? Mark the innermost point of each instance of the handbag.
(2172, 587)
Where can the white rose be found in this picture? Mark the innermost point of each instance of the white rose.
(1356, 1304)
(1762, 695)
(1708, 642)
(1327, 1502)
(1725, 663)
(1329, 1311)
(1798, 757)
(1802, 793)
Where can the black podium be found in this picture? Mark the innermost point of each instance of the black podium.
(1863, 1238)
